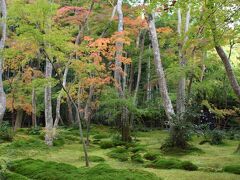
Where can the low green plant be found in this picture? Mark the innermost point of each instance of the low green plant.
(94, 158)
(106, 144)
(163, 163)
(6, 132)
(217, 137)
(119, 153)
(58, 141)
(100, 136)
(150, 156)
(34, 131)
(232, 169)
(137, 158)
(45, 170)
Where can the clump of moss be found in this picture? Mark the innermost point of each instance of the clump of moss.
(106, 144)
(27, 144)
(137, 158)
(34, 131)
(12, 176)
(94, 158)
(42, 170)
(232, 169)
(137, 149)
(151, 156)
(58, 141)
(172, 164)
(120, 154)
(100, 136)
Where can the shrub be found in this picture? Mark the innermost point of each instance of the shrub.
(27, 144)
(137, 158)
(43, 170)
(137, 149)
(119, 153)
(100, 136)
(58, 141)
(34, 131)
(6, 132)
(106, 144)
(173, 164)
(217, 137)
(12, 176)
(94, 158)
(151, 156)
(232, 169)
(187, 165)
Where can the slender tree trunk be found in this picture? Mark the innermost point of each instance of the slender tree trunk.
(87, 111)
(117, 76)
(139, 67)
(131, 78)
(34, 109)
(2, 44)
(48, 105)
(181, 94)
(221, 53)
(229, 70)
(148, 78)
(238, 149)
(19, 118)
(159, 69)
(58, 106)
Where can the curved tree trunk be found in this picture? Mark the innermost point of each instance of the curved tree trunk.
(159, 69)
(58, 106)
(48, 105)
(2, 43)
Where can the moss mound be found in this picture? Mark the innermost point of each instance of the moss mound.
(119, 153)
(93, 158)
(172, 164)
(232, 169)
(137, 158)
(12, 176)
(151, 156)
(106, 144)
(100, 136)
(42, 170)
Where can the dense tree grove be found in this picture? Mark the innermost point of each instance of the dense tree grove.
(131, 65)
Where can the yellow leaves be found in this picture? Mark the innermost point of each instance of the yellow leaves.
(164, 30)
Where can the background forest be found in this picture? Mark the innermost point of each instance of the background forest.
(153, 82)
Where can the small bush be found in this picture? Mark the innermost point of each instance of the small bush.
(27, 144)
(173, 164)
(187, 165)
(137, 149)
(217, 137)
(44, 170)
(119, 153)
(106, 144)
(101, 136)
(137, 158)
(11, 176)
(34, 131)
(94, 158)
(151, 156)
(232, 169)
(6, 132)
(58, 141)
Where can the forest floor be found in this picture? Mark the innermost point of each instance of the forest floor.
(209, 158)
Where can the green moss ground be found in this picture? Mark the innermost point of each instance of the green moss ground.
(211, 160)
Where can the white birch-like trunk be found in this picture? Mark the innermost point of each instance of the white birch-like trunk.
(181, 94)
(149, 89)
(3, 26)
(167, 103)
(48, 105)
(34, 109)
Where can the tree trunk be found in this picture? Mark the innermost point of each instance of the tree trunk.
(117, 76)
(238, 149)
(139, 66)
(48, 105)
(34, 109)
(87, 111)
(221, 53)
(181, 94)
(70, 112)
(229, 70)
(2, 44)
(18, 121)
(148, 78)
(58, 106)
(159, 69)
